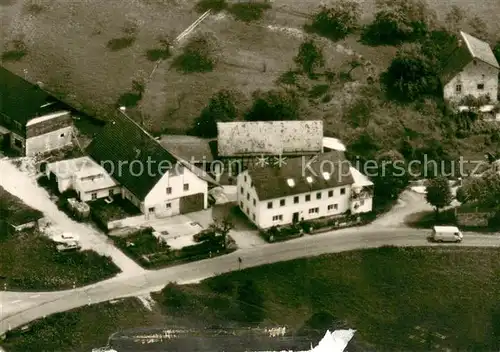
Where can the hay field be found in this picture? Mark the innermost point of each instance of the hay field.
(67, 43)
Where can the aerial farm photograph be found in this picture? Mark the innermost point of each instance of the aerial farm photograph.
(249, 175)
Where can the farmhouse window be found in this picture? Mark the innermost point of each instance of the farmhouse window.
(480, 86)
(94, 196)
(111, 192)
(296, 199)
(330, 207)
(282, 202)
(277, 217)
(253, 217)
(318, 195)
(18, 143)
(151, 210)
(186, 186)
(313, 210)
(168, 205)
(241, 190)
(169, 190)
(342, 191)
(308, 197)
(254, 202)
(330, 194)
(269, 205)
(248, 196)
(458, 88)
(62, 135)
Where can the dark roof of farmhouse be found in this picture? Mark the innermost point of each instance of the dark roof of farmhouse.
(269, 138)
(469, 48)
(123, 148)
(301, 175)
(21, 100)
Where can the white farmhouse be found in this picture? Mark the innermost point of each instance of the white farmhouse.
(472, 69)
(303, 189)
(151, 178)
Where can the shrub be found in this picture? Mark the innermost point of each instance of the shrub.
(411, 75)
(398, 21)
(318, 90)
(18, 51)
(221, 284)
(129, 99)
(224, 106)
(213, 5)
(198, 56)
(249, 11)
(359, 113)
(310, 57)
(273, 105)
(158, 54)
(288, 78)
(118, 44)
(337, 21)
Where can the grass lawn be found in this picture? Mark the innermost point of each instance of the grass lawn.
(83, 329)
(413, 299)
(30, 261)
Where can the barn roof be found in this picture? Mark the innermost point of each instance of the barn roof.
(269, 138)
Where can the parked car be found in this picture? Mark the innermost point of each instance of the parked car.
(66, 237)
(446, 234)
(68, 246)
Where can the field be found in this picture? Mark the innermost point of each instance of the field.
(51, 270)
(413, 299)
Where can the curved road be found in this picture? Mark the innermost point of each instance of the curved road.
(21, 308)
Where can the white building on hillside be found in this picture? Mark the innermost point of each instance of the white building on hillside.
(303, 189)
(471, 70)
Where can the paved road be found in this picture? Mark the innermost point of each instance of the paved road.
(21, 308)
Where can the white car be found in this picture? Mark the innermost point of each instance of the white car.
(68, 246)
(66, 237)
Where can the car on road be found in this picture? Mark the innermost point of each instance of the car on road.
(68, 246)
(65, 237)
(446, 234)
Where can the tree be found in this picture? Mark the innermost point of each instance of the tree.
(411, 75)
(398, 21)
(251, 302)
(484, 190)
(439, 193)
(224, 106)
(199, 55)
(310, 57)
(391, 177)
(337, 21)
(496, 51)
(222, 227)
(173, 297)
(274, 105)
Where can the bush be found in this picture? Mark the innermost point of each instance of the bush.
(158, 54)
(198, 56)
(310, 57)
(213, 5)
(274, 105)
(221, 284)
(249, 11)
(129, 99)
(224, 106)
(118, 44)
(283, 233)
(398, 21)
(338, 21)
(288, 78)
(411, 75)
(18, 51)
(318, 91)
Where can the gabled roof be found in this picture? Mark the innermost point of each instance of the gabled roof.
(470, 48)
(19, 99)
(125, 149)
(269, 138)
(272, 182)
